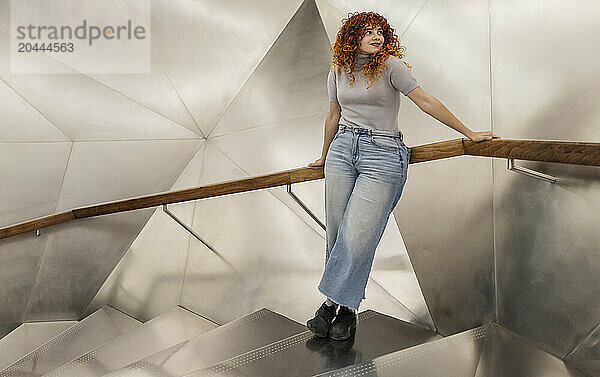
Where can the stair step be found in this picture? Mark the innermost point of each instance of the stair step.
(168, 329)
(229, 340)
(306, 355)
(28, 337)
(97, 328)
(455, 355)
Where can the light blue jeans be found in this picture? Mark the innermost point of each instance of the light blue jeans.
(365, 172)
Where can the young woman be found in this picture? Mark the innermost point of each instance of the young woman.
(366, 160)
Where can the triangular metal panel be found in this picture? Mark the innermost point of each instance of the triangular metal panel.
(208, 49)
(32, 176)
(446, 212)
(400, 14)
(19, 261)
(21, 122)
(83, 108)
(103, 171)
(79, 255)
(145, 283)
(293, 72)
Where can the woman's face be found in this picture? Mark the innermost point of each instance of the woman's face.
(372, 40)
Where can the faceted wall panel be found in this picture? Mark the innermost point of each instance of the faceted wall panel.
(506, 355)
(19, 262)
(147, 281)
(85, 109)
(208, 48)
(546, 87)
(104, 171)
(21, 122)
(293, 72)
(32, 175)
(445, 213)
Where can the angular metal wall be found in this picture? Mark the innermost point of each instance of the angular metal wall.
(277, 255)
(545, 86)
(506, 355)
(69, 140)
(148, 279)
(445, 213)
(522, 68)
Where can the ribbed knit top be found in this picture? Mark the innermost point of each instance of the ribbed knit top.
(376, 107)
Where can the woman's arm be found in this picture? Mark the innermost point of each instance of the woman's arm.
(331, 128)
(432, 106)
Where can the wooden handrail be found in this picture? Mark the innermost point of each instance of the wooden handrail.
(566, 152)
(577, 153)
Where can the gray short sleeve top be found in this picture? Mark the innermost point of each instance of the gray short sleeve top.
(376, 107)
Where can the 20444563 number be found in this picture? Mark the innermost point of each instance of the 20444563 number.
(46, 47)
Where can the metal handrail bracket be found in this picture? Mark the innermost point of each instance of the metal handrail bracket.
(532, 173)
(304, 206)
(196, 235)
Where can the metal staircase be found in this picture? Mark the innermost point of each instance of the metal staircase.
(181, 343)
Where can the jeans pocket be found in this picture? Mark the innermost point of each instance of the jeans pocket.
(386, 142)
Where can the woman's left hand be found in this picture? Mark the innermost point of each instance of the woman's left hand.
(483, 135)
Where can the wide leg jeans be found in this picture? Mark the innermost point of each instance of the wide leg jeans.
(365, 172)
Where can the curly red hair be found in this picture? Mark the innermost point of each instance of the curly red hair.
(348, 39)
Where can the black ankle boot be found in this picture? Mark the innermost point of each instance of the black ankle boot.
(323, 317)
(344, 324)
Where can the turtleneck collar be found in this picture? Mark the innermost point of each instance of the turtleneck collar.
(361, 59)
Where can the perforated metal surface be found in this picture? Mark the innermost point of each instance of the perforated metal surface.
(101, 326)
(28, 337)
(166, 330)
(456, 355)
(305, 355)
(232, 339)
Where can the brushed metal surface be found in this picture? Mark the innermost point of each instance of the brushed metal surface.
(152, 90)
(32, 175)
(77, 105)
(100, 171)
(19, 260)
(208, 49)
(170, 328)
(241, 227)
(78, 258)
(28, 337)
(306, 355)
(453, 356)
(20, 121)
(145, 284)
(400, 14)
(293, 72)
(445, 214)
(7, 327)
(87, 334)
(508, 355)
(546, 234)
(106, 171)
(586, 355)
(229, 340)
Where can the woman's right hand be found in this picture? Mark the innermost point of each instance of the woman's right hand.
(319, 162)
